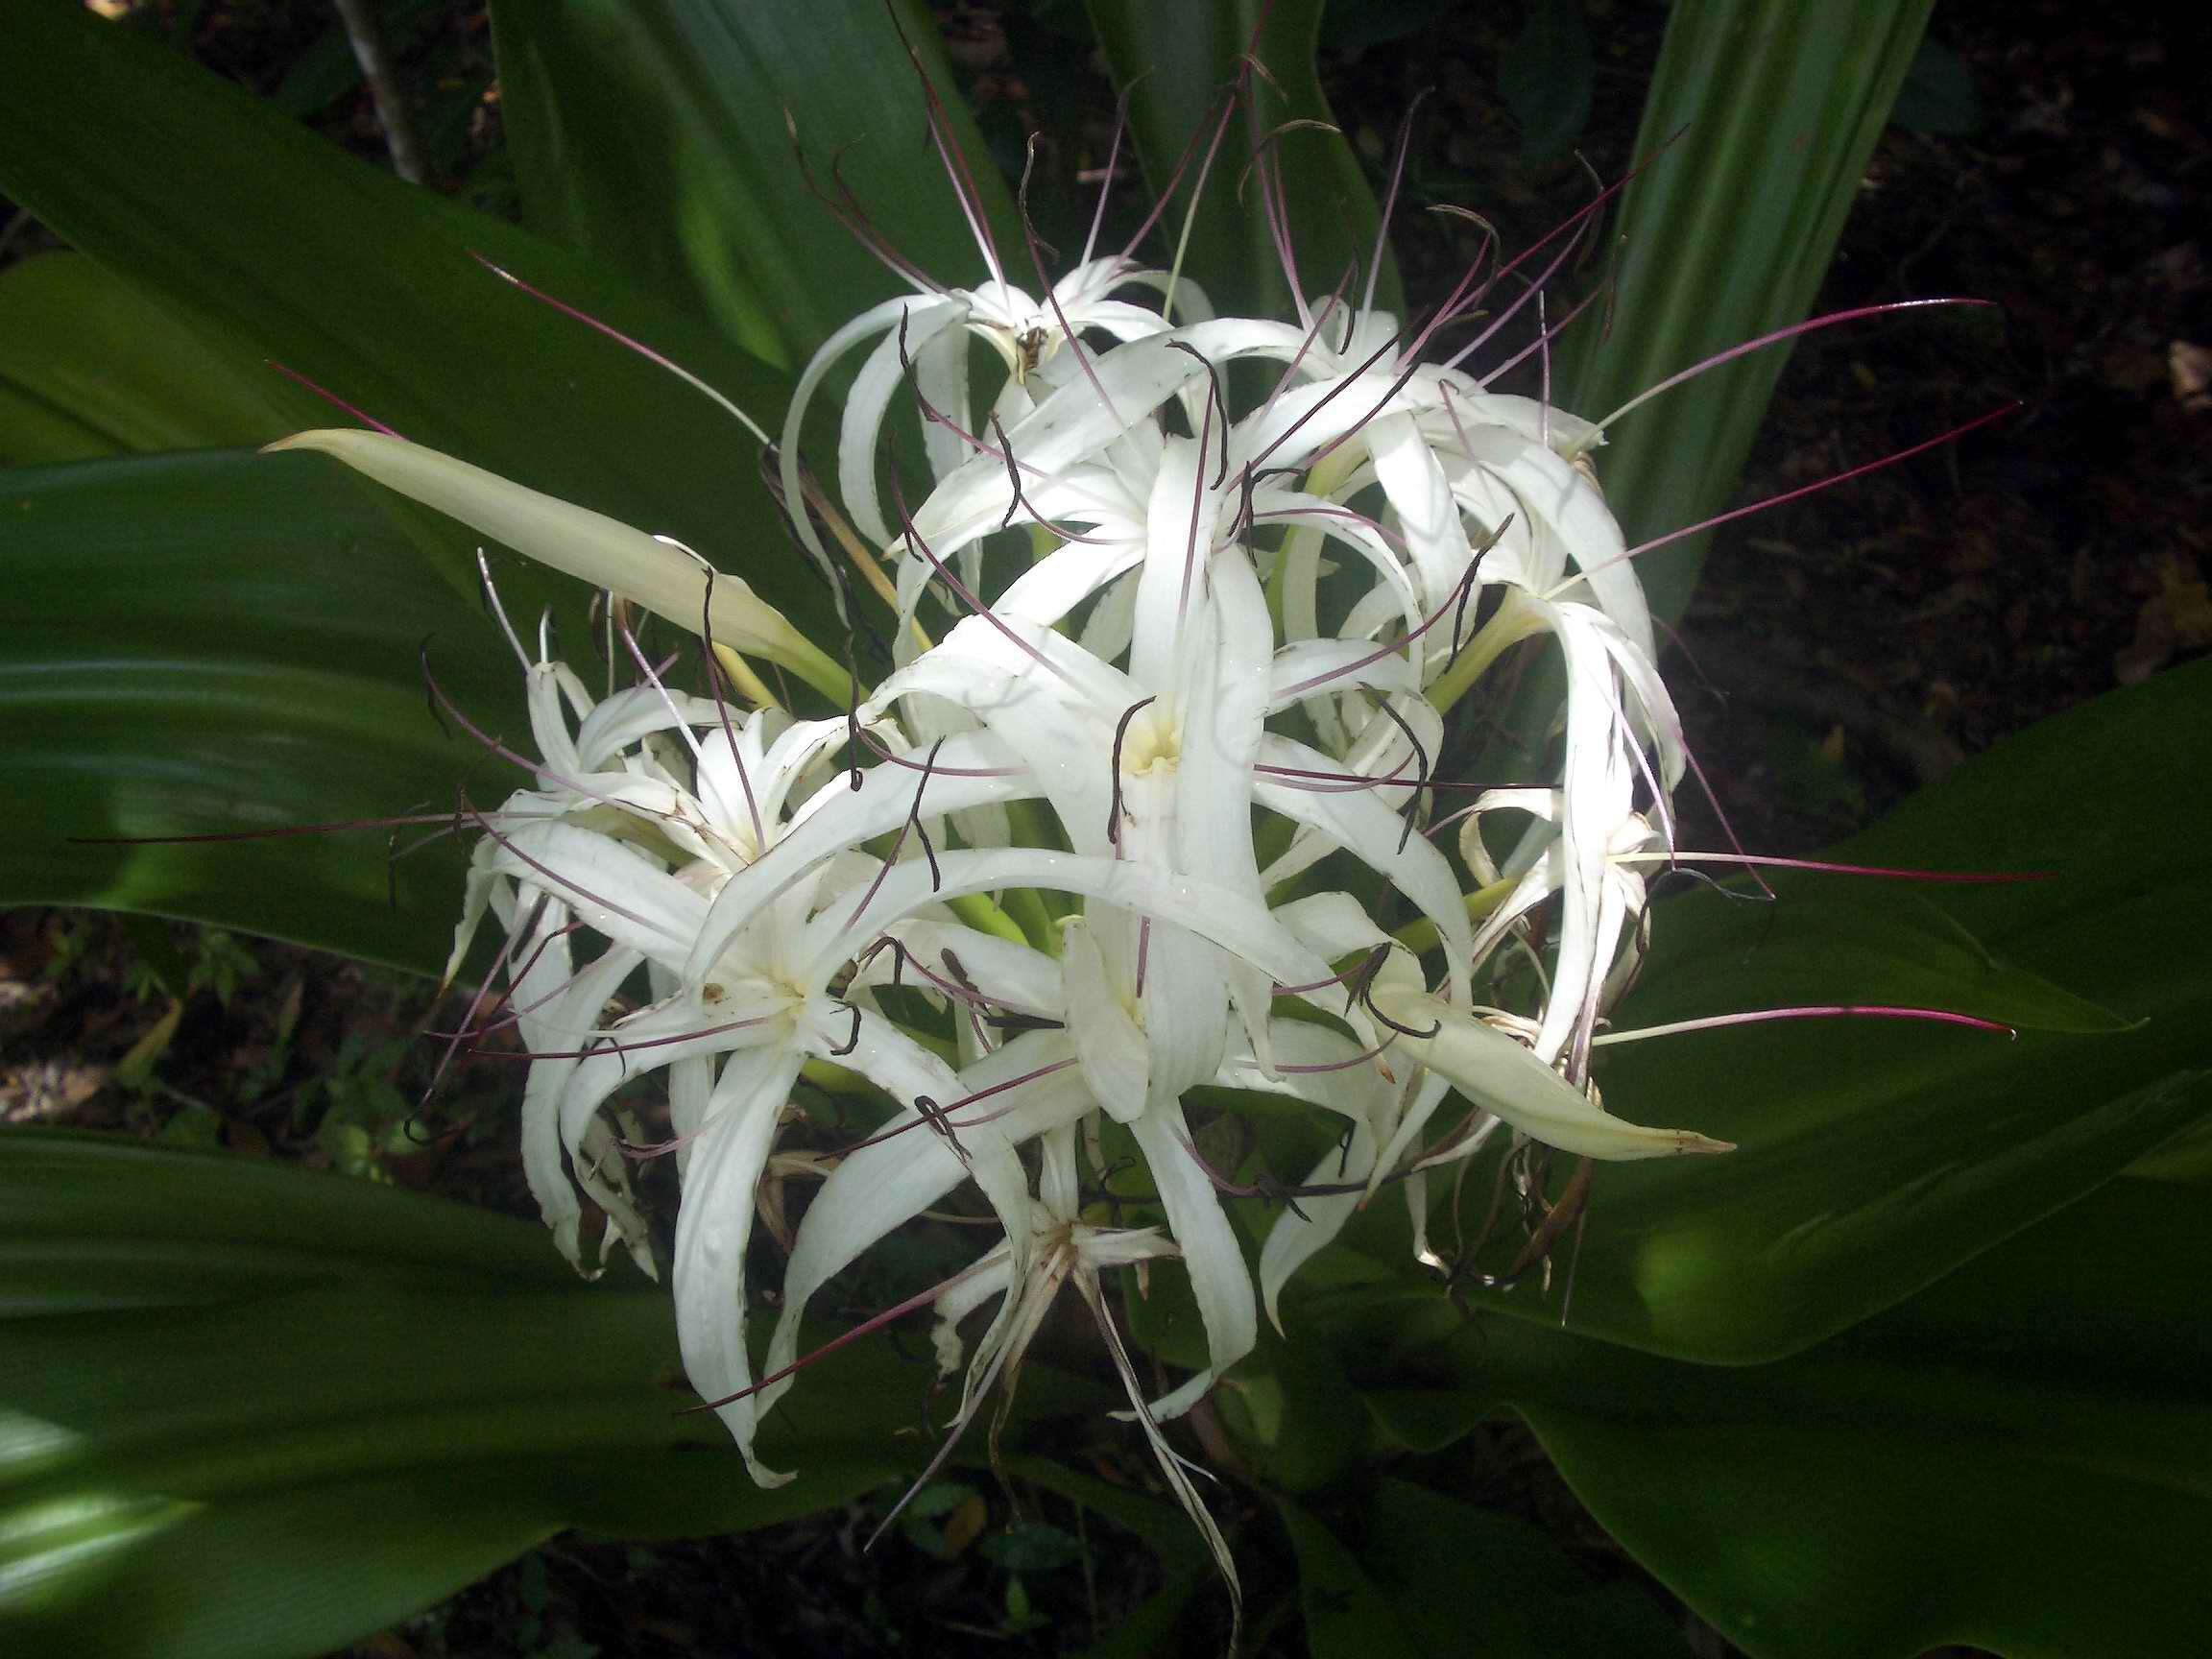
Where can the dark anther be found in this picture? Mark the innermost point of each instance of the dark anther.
(940, 1123)
(1362, 981)
(1344, 1150)
(1413, 808)
(853, 778)
(621, 1053)
(1013, 474)
(1270, 1191)
(1248, 481)
(914, 815)
(420, 1133)
(852, 1042)
(1401, 1030)
(1219, 404)
(1467, 588)
(1266, 1187)
(1122, 731)
(960, 975)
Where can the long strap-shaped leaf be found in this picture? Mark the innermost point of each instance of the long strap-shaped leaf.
(353, 1403)
(649, 136)
(223, 642)
(1179, 58)
(274, 243)
(1777, 105)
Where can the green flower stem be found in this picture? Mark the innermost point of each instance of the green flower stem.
(1421, 936)
(1040, 921)
(980, 913)
(1511, 625)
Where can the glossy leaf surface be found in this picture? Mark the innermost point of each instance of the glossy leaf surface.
(651, 141)
(1187, 53)
(216, 642)
(273, 244)
(1757, 129)
(1876, 1156)
(355, 1402)
(89, 367)
(1429, 1576)
(2018, 1458)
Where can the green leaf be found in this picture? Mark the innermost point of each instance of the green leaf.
(93, 1223)
(90, 368)
(1875, 1157)
(273, 244)
(335, 1401)
(1727, 237)
(1939, 95)
(1186, 52)
(1543, 76)
(650, 139)
(219, 643)
(1409, 1586)
(2019, 1458)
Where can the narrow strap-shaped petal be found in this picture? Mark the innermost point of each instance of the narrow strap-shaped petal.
(1228, 919)
(601, 551)
(1116, 1057)
(1361, 824)
(867, 402)
(1501, 1074)
(879, 1188)
(1215, 1261)
(713, 1229)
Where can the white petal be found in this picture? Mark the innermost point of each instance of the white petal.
(870, 398)
(1501, 1075)
(1116, 1059)
(877, 1189)
(611, 887)
(1215, 1261)
(1228, 919)
(846, 818)
(712, 1233)
(602, 551)
(1360, 823)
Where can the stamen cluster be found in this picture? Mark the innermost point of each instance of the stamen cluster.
(1146, 802)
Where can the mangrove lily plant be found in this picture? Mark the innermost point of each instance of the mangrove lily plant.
(1146, 801)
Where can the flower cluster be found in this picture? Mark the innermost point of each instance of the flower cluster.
(1146, 802)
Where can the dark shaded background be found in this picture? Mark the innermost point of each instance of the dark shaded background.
(1841, 651)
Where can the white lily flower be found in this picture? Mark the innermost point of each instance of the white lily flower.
(603, 552)
(1501, 1074)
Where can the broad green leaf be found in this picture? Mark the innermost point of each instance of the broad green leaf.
(1413, 1572)
(97, 1224)
(335, 1403)
(1874, 1156)
(2019, 1458)
(1544, 75)
(273, 243)
(1178, 58)
(1772, 107)
(89, 367)
(216, 642)
(650, 139)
